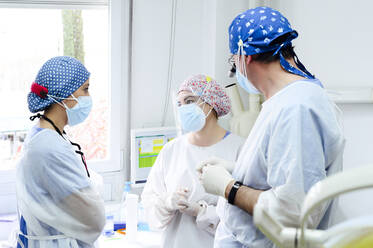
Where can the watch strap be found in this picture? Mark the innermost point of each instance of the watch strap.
(233, 192)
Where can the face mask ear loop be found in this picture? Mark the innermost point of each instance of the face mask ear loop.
(209, 112)
(199, 104)
(241, 58)
(203, 108)
(74, 98)
(62, 105)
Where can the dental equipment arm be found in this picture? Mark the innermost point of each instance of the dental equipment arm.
(242, 120)
(333, 186)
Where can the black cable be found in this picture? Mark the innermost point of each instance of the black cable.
(296, 238)
(38, 115)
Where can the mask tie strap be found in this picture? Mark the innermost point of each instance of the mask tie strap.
(241, 58)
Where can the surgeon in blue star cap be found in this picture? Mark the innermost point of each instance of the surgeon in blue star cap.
(296, 141)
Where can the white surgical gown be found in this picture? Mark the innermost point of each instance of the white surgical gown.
(296, 141)
(175, 168)
(55, 195)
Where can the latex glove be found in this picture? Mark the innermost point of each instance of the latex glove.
(193, 209)
(176, 200)
(228, 165)
(215, 179)
(190, 208)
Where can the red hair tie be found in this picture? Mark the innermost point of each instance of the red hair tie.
(39, 90)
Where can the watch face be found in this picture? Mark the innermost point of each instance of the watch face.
(237, 184)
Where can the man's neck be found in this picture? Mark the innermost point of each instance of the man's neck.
(274, 78)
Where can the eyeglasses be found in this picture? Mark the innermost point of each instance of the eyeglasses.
(232, 63)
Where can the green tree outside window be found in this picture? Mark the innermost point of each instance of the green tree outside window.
(73, 38)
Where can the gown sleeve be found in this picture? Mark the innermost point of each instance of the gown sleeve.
(154, 196)
(296, 161)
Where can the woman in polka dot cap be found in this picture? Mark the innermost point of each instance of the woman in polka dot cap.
(58, 203)
(57, 79)
(173, 196)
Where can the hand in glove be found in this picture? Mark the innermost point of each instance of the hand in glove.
(228, 165)
(176, 200)
(215, 179)
(190, 208)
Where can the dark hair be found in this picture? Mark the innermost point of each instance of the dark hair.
(267, 57)
(215, 113)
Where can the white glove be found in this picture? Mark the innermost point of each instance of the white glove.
(228, 165)
(215, 179)
(190, 208)
(193, 209)
(176, 201)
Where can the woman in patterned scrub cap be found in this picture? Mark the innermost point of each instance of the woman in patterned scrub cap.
(173, 197)
(58, 204)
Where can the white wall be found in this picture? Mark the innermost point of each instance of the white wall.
(358, 125)
(334, 38)
(201, 46)
(151, 41)
(335, 44)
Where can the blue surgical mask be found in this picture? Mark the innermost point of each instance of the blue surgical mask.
(246, 84)
(80, 111)
(192, 117)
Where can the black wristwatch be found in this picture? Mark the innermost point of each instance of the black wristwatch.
(233, 192)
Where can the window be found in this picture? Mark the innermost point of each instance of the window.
(41, 31)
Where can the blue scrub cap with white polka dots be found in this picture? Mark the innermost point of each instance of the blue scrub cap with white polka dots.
(57, 79)
(254, 31)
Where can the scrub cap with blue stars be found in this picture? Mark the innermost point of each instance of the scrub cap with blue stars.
(57, 79)
(254, 31)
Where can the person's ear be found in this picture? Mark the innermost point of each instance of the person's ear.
(248, 59)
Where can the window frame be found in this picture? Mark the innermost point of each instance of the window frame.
(119, 28)
(54, 4)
